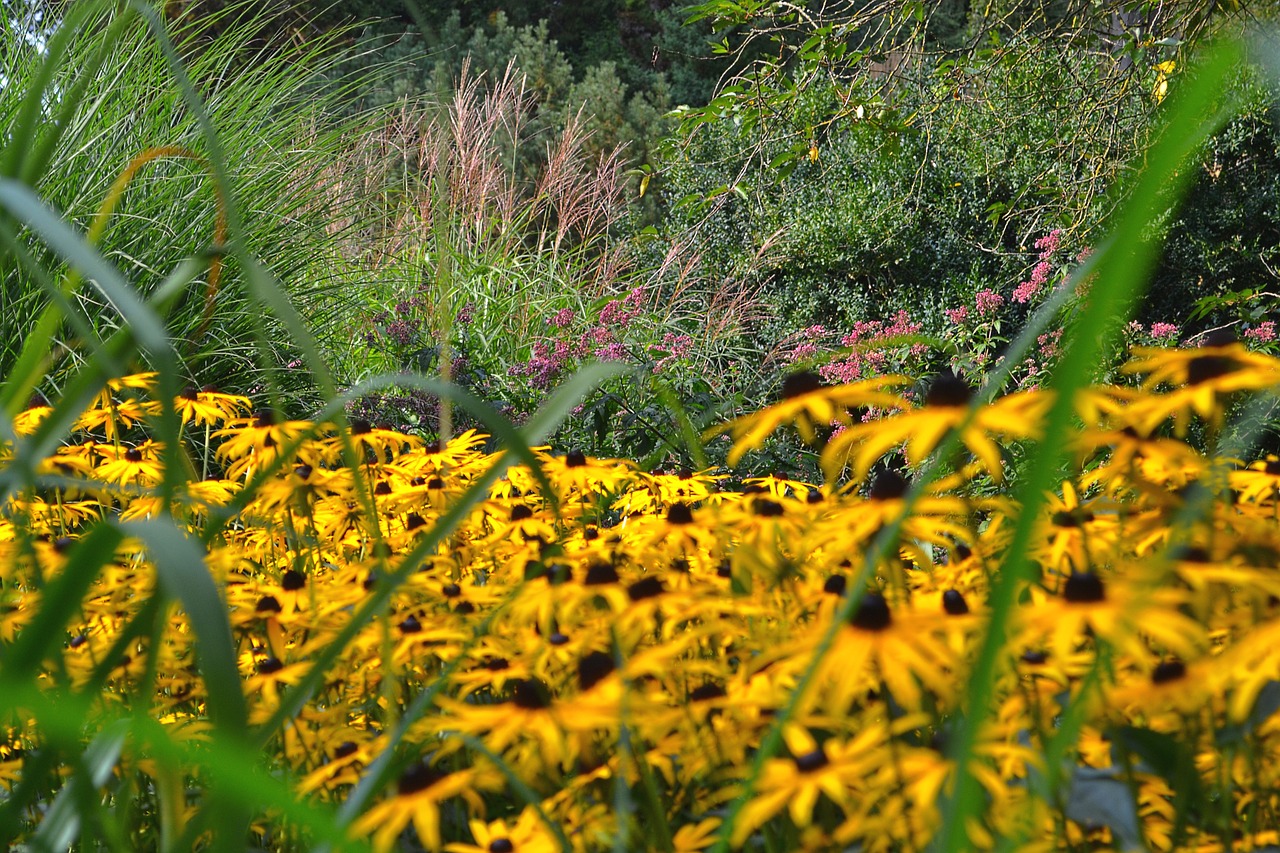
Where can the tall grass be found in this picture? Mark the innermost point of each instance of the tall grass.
(452, 224)
(106, 113)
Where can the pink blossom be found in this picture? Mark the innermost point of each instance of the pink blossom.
(675, 346)
(612, 352)
(562, 318)
(1048, 344)
(803, 351)
(1025, 292)
(1263, 333)
(1049, 243)
(1160, 331)
(957, 315)
(988, 302)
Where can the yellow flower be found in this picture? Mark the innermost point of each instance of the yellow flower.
(419, 792)
(946, 407)
(837, 768)
(526, 835)
(808, 404)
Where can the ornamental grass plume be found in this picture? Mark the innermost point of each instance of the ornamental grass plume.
(625, 636)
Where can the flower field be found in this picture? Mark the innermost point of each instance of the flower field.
(569, 653)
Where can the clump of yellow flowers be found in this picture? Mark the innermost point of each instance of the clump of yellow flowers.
(582, 651)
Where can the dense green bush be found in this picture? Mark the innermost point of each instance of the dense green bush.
(927, 194)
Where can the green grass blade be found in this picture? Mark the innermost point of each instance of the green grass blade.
(62, 822)
(1122, 268)
(180, 565)
(60, 600)
(21, 202)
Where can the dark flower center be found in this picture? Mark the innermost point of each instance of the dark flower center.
(593, 668)
(359, 426)
(953, 602)
(417, 778)
(520, 512)
(835, 585)
(947, 389)
(501, 845)
(872, 613)
(133, 454)
(575, 459)
(1072, 518)
(888, 485)
(268, 604)
(801, 382)
(766, 508)
(649, 587)
(527, 693)
(703, 692)
(344, 749)
(1169, 670)
(600, 573)
(410, 625)
(267, 666)
(292, 581)
(264, 417)
(1035, 657)
(811, 761)
(679, 514)
(1083, 588)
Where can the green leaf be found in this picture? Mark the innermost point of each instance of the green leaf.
(61, 824)
(179, 562)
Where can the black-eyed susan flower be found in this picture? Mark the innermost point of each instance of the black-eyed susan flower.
(921, 429)
(809, 405)
(419, 793)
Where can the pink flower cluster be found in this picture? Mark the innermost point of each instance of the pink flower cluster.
(545, 364)
(987, 302)
(1050, 344)
(673, 347)
(620, 312)
(957, 316)
(1263, 333)
(1048, 244)
(867, 360)
(599, 341)
(809, 339)
(1163, 331)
